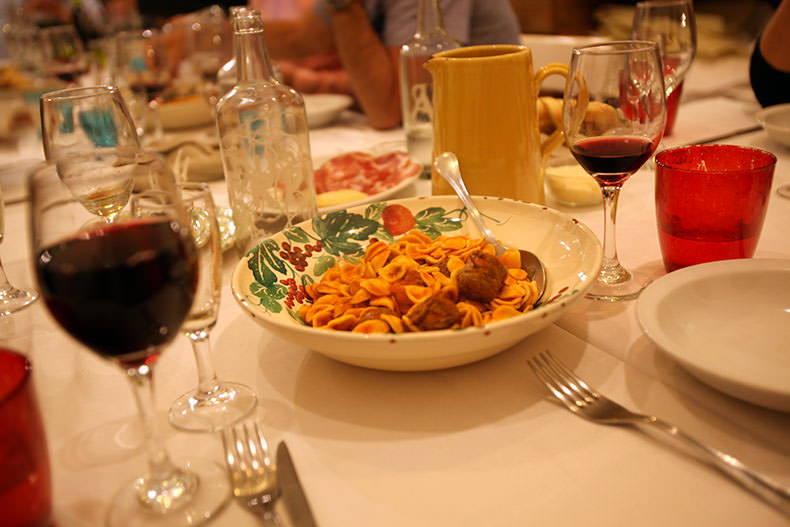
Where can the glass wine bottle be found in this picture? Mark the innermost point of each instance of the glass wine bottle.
(227, 75)
(416, 84)
(264, 142)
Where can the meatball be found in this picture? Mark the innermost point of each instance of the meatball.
(489, 264)
(435, 312)
(374, 313)
(481, 279)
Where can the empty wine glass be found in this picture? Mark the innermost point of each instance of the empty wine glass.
(613, 117)
(64, 55)
(91, 136)
(144, 65)
(671, 24)
(123, 290)
(11, 298)
(214, 404)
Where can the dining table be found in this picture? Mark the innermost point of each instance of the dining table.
(482, 444)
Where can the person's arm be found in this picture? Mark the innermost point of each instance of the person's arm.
(305, 79)
(371, 66)
(298, 38)
(775, 41)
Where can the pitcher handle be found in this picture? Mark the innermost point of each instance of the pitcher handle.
(554, 140)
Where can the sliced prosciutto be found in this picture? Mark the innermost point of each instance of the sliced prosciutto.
(364, 172)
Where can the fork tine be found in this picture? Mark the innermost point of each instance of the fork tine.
(227, 445)
(557, 378)
(260, 443)
(570, 378)
(257, 447)
(248, 447)
(544, 376)
(233, 457)
(578, 380)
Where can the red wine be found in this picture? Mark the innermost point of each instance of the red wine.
(151, 90)
(69, 74)
(122, 290)
(612, 159)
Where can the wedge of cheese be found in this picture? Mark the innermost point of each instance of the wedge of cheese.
(338, 197)
(571, 185)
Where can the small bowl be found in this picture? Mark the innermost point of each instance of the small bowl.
(571, 253)
(187, 112)
(776, 121)
(323, 108)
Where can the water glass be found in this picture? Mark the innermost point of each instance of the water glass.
(711, 202)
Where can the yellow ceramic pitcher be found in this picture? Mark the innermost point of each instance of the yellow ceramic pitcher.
(485, 111)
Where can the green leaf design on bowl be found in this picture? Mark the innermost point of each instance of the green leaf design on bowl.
(282, 269)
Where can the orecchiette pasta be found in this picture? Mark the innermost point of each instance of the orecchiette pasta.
(418, 284)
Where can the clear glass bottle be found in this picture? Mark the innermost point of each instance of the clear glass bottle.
(416, 84)
(227, 76)
(264, 142)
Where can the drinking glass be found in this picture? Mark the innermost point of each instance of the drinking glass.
(614, 115)
(672, 25)
(64, 55)
(11, 298)
(711, 202)
(25, 480)
(91, 136)
(214, 404)
(144, 65)
(123, 290)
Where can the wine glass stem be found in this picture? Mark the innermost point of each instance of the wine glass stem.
(154, 106)
(4, 283)
(164, 487)
(611, 270)
(207, 377)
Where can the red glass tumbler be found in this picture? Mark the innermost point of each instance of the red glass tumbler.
(711, 202)
(25, 486)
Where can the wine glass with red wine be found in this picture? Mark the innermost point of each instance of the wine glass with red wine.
(123, 290)
(145, 66)
(614, 115)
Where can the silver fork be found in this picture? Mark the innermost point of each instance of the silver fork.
(586, 402)
(252, 471)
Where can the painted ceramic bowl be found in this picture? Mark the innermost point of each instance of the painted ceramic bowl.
(266, 281)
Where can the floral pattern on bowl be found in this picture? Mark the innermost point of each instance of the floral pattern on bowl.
(269, 282)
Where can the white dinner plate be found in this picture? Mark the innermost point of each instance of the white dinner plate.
(392, 192)
(728, 323)
(776, 121)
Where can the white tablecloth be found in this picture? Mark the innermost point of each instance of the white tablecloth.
(481, 444)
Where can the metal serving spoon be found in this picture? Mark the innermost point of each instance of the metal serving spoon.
(447, 166)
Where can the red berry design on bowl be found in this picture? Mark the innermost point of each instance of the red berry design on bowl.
(397, 219)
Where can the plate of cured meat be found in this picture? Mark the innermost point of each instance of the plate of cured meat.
(361, 177)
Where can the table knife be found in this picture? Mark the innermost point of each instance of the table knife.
(292, 493)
